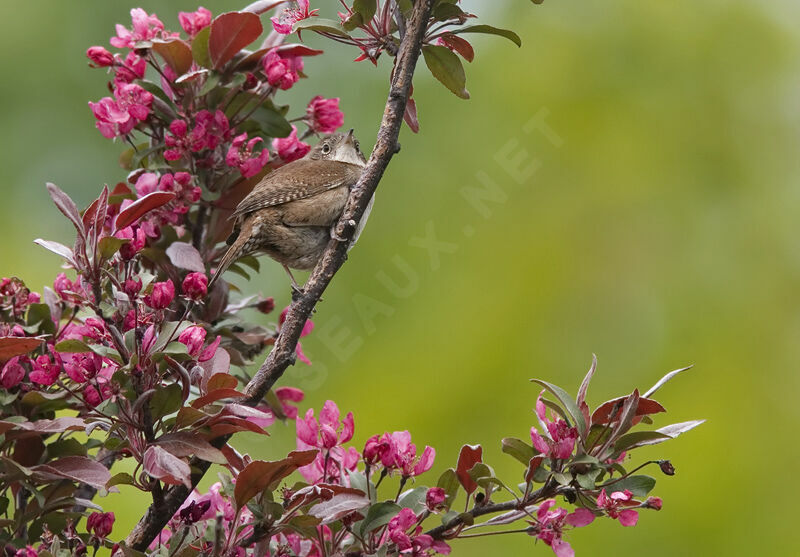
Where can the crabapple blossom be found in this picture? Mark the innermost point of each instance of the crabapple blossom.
(279, 71)
(562, 437)
(193, 22)
(285, 20)
(324, 114)
(195, 286)
(402, 455)
(161, 296)
(100, 57)
(290, 148)
(144, 28)
(100, 524)
(240, 155)
(613, 506)
(550, 525)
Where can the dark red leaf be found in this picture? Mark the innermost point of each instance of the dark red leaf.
(230, 33)
(176, 53)
(76, 468)
(17, 346)
(222, 381)
(251, 61)
(184, 443)
(470, 455)
(215, 395)
(141, 207)
(67, 207)
(532, 467)
(232, 424)
(166, 467)
(462, 46)
(260, 475)
(410, 115)
(646, 406)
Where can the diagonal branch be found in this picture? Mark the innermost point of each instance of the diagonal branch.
(283, 353)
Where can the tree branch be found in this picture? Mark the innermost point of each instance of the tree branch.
(283, 353)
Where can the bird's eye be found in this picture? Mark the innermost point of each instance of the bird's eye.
(326, 149)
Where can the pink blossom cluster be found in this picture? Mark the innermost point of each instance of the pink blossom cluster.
(396, 452)
(405, 532)
(559, 440)
(209, 131)
(550, 526)
(328, 433)
(284, 22)
(119, 115)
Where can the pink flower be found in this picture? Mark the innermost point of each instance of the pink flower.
(612, 506)
(45, 371)
(415, 544)
(241, 156)
(100, 57)
(130, 69)
(435, 498)
(403, 455)
(100, 524)
(376, 448)
(286, 395)
(330, 466)
(193, 22)
(328, 431)
(63, 286)
(284, 21)
(549, 526)
(307, 328)
(120, 115)
(210, 130)
(290, 148)
(12, 373)
(26, 551)
(324, 114)
(137, 238)
(279, 71)
(194, 337)
(562, 438)
(195, 286)
(161, 296)
(145, 27)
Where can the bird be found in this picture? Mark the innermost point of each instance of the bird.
(291, 213)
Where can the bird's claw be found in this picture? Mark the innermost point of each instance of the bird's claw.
(351, 224)
(297, 292)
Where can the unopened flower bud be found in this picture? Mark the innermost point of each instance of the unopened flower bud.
(250, 81)
(132, 287)
(666, 467)
(435, 498)
(653, 503)
(267, 305)
(162, 295)
(195, 286)
(100, 57)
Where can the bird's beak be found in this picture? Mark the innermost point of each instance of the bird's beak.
(349, 137)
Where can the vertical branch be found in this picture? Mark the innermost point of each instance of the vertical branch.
(283, 353)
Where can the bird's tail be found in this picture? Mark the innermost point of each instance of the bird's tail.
(235, 251)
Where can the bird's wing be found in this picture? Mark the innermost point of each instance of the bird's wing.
(298, 180)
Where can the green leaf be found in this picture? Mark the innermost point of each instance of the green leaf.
(366, 8)
(72, 346)
(414, 499)
(121, 478)
(200, 48)
(166, 400)
(567, 402)
(489, 30)
(519, 449)
(447, 68)
(640, 486)
(321, 25)
(379, 515)
(588, 479)
(39, 316)
(109, 245)
(449, 482)
(212, 80)
(271, 122)
(106, 352)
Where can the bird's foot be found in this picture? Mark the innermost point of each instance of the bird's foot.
(348, 227)
(297, 292)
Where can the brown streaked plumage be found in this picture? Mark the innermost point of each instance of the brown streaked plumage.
(290, 213)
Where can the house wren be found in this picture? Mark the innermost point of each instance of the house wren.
(291, 212)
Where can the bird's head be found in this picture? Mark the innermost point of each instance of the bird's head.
(339, 147)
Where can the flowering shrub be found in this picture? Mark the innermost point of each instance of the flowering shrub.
(132, 358)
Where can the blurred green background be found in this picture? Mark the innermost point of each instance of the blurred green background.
(654, 223)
